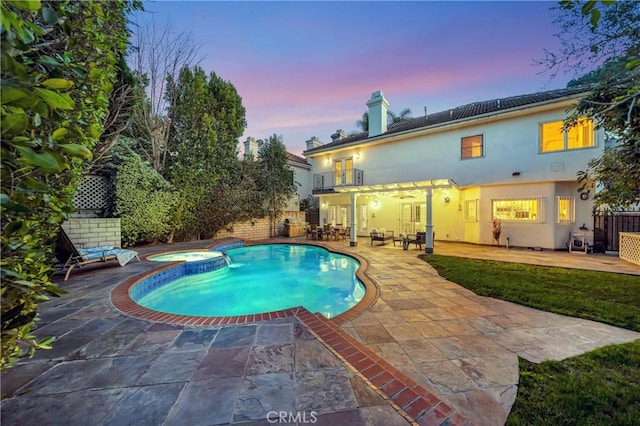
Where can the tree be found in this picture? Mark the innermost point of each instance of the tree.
(155, 55)
(122, 104)
(142, 198)
(392, 118)
(404, 115)
(207, 119)
(59, 64)
(276, 177)
(607, 33)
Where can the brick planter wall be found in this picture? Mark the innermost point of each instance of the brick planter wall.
(93, 232)
(258, 229)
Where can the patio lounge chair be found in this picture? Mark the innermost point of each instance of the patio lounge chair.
(382, 235)
(73, 257)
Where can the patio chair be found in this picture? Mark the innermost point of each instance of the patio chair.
(419, 239)
(344, 233)
(73, 257)
(312, 231)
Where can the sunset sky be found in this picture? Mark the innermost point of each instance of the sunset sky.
(306, 69)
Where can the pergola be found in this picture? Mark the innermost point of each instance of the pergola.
(423, 185)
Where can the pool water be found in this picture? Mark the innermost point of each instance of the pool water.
(265, 278)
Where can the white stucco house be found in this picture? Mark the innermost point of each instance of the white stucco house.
(454, 172)
(299, 166)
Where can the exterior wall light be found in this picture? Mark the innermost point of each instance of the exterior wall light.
(327, 162)
(357, 156)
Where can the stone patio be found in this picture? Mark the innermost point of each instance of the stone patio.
(107, 368)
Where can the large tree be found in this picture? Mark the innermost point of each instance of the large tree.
(605, 33)
(156, 55)
(207, 119)
(59, 64)
(276, 178)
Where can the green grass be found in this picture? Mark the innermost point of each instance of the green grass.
(601, 387)
(600, 296)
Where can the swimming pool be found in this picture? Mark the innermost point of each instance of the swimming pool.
(264, 278)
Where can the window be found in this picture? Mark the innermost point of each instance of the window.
(471, 210)
(554, 138)
(566, 210)
(471, 147)
(517, 209)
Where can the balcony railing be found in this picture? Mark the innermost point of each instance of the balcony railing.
(329, 181)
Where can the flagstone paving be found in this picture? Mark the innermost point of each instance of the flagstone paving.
(108, 368)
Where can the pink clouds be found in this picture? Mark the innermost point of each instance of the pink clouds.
(306, 69)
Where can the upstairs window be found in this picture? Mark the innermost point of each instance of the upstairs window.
(554, 138)
(471, 147)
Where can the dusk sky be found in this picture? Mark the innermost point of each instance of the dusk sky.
(306, 69)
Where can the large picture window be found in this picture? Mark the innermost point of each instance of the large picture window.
(554, 138)
(471, 147)
(517, 209)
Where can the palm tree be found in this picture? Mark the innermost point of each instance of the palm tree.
(392, 117)
(404, 115)
(364, 123)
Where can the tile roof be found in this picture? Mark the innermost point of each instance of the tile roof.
(296, 158)
(460, 113)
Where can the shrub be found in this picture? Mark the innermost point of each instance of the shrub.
(144, 201)
(58, 66)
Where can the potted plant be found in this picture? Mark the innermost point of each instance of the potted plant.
(496, 229)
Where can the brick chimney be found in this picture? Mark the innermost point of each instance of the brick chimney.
(314, 142)
(338, 135)
(378, 107)
(251, 147)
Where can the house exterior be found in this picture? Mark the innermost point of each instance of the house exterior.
(452, 173)
(300, 167)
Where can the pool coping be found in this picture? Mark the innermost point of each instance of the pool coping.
(415, 403)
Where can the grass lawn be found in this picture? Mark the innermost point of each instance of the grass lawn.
(601, 387)
(600, 296)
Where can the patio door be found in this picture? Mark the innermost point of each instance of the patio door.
(344, 215)
(343, 172)
(419, 217)
(362, 211)
(412, 217)
(406, 218)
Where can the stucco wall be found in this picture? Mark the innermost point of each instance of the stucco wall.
(510, 146)
(512, 167)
